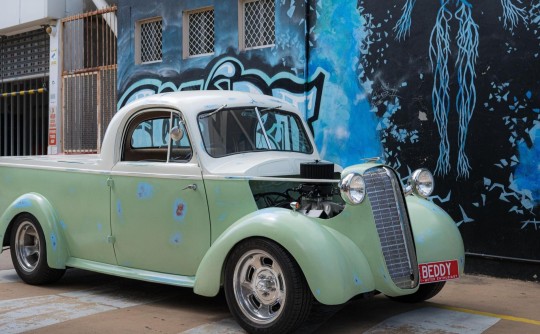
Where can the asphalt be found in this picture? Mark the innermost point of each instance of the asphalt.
(85, 302)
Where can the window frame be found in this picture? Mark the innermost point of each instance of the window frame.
(186, 35)
(242, 27)
(138, 40)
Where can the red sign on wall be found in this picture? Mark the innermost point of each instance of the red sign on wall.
(52, 127)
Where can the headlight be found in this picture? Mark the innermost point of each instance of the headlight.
(421, 183)
(353, 188)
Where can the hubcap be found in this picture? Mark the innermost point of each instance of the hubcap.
(259, 286)
(27, 246)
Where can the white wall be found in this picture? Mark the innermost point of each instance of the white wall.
(17, 15)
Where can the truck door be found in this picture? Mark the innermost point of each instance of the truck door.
(160, 219)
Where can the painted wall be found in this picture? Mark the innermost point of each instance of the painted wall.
(450, 85)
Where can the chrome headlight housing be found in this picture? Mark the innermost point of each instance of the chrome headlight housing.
(353, 188)
(421, 183)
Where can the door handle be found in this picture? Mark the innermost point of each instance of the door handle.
(191, 186)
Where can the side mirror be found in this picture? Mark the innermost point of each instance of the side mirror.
(177, 134)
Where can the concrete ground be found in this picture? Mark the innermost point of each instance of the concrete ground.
(85, 302)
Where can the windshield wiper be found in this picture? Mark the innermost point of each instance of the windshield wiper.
(271, 108)
(213, 112)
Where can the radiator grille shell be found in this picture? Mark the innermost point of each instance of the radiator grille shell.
(393, 227)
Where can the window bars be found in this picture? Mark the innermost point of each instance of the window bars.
(257, 24)
(89, 79)
(24, 100)
(200, 32)
(150, 41)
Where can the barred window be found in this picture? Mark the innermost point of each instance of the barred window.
(199, 34)
(257, 24)
(149, 41)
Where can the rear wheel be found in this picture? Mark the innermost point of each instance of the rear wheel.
(265, 288)
(29, 253)
(425, 292)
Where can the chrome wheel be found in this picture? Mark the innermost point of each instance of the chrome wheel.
(259, 286)
(27, 246)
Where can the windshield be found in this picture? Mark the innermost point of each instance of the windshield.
(230, 131)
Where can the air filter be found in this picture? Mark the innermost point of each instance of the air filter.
(317, 170)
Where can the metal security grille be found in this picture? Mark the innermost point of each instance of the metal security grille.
(259, 23)
(80, 134)
(392, 226)
(24, 55)
(24, 100)
(24, 116)
(151, 41)
(201, 32)
(89, 79)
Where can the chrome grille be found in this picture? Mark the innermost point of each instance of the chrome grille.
(393, 226)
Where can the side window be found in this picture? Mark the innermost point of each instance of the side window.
(150, 137)
(152, 133)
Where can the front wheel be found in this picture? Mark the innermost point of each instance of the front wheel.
(425, 292)
(265, 288)
(29, 253)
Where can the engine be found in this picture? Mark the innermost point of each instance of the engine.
(317, 198)
(316, 194)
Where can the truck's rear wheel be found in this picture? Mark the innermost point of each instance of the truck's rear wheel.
(29, 252)
(265, 288)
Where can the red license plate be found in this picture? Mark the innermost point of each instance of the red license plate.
(438, 271)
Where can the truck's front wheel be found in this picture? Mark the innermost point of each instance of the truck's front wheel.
(265, 288)
(29, 253)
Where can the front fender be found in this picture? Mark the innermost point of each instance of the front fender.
(42, 210)
(334, 267)
(436, 235)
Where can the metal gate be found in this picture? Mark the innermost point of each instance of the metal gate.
(24, 101)
(88, 79)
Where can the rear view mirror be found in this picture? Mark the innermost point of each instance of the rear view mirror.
(177, 134)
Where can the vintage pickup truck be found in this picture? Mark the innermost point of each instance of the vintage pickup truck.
(212, 190)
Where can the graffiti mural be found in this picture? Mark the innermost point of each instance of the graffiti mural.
(228, 73)
(458, 75)
(443, 84)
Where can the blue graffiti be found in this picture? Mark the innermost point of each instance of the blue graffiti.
(403, 26)
(439, 53)
(346, 130)
(512, 14)
(229, 73)
(467, 41)
(145, 191)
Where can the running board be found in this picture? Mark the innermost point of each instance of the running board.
(143, 275)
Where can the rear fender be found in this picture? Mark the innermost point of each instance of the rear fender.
(39, 207)
(334, 267)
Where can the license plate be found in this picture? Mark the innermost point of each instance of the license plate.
(438, 271)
